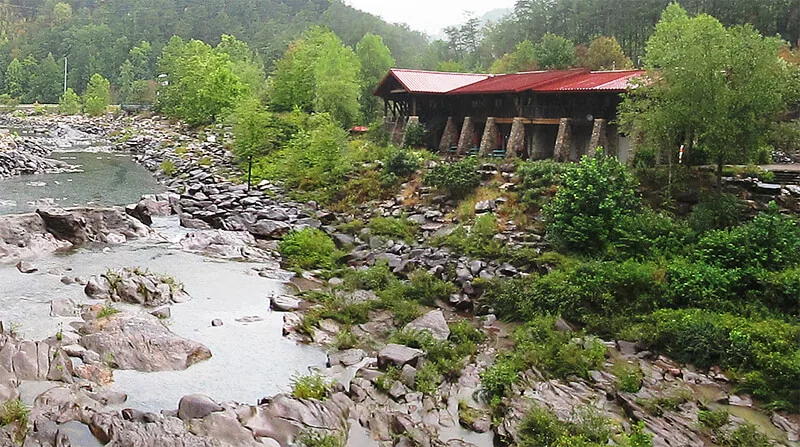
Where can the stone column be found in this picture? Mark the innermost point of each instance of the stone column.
(411, 120)
(448, 137)
(599, 138)
(398, 131)
(489, 140)
(465, 140)
(516, 140)
(563, 141)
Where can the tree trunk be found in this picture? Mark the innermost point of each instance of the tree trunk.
(719, 173)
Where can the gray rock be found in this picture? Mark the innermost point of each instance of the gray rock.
(398, 355)
(162, 313)
(216, 322)
(196, 406)
(272, 229)
(26, 267)
(63, 307)
(432, 322)
(284, 303)
(348, 357)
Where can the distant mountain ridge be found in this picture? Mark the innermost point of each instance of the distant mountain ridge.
(492, 16)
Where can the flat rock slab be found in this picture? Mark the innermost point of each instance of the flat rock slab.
(141, 343)
(398, 355)
(196, 406)
(283, 303)
(432, 322)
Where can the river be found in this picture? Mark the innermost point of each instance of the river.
(250, 360)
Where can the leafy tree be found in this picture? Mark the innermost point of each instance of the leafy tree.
(376, 60)
(522, 59)
(451, 66)
(337, 89)
(46, 83)
(595, 196)
(555, 52)
(142, 61)
(714, 87)
(69, 103)
(125, 82)
(605, 53)
(258, 132)
(15, 79)
(97, 96)
(247, 66)
(201, 83)
(294, 81)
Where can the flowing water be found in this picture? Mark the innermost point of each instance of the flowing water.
(251, 359)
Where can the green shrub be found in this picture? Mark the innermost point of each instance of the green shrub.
(312, 438)
(781, 291)
(107, 311)
(426, 288)
(414, 135)
(402, 163)
(97, 96)
(308, 248)
(586, 428)
(395, 228)
(584, 215)
(497, 379)
(9, 101)
(312, 386)
(713, 419)
(771, 241)
(648, 235)
(745, 435)
(539, 180)
(785, 136)
(14, 411)
(69, 103)
(629, 377)
(716, 212)
(458, 178)
(345, 340)
(442, 358)
(477, 241)
(377, 277)
(168, 168)
(377, 133)
(696, 284)
(658, 405)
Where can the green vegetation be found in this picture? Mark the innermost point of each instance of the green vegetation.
(15, 412)
(69, 103)
(586, 428)
(394, 228)
(458, 178)
(629, 377)
(311, 386)
(713, 419)
(308, 249)
(168, 168)
(107, 311)
(313, 438)
(478, 240)
(98, 95)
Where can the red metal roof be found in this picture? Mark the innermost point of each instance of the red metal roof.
(610, 81)
(435, 82)
(432, 82)
(515, 82)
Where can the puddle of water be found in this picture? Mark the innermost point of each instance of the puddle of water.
(750, 415)
(79, 434)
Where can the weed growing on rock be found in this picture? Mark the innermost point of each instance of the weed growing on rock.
(311, 386)
(14, 411)
(308, 249)
(107, 311)
(313, 438)
(713, 419)
(395, 228)
(345, 340)
(629, 377)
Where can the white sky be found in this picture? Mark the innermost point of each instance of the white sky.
(429, 16)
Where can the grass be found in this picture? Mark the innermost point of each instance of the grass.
(466, 208)
(394, 228)
(312, 438)
(345, 340)
(169, 168)
(713, 419)
(107, 311)
(656, 406)
(384, 381)
(14, 411)
(311, 386)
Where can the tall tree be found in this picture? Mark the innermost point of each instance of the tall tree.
(15, 79)
(714, 87)
(605, 53)
(555, 52)
(46, 83)
(97, 96)
(337, 89)
(523, 58)
(376, 60)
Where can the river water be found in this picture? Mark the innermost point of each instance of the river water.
(251, 359)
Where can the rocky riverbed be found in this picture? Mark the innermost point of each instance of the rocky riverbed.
(129, 328)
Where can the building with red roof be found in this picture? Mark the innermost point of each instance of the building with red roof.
(559, 114)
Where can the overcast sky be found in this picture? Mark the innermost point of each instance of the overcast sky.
(428, 16)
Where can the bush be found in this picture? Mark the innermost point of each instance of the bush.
(648, 235)
(539, 180)
(426, 288)
(586, 428)
(699, 285)
(629, 377)
(311, 438)
(14, 411)
(345, 340)
(716, 212)
(585, 214)
(477, 241)
(771, 241)
(69, 103)
(442, 358)
(97, 96)
(395, 228)
(414, 135)
(745, 435)
(308, 249)
(497, 379)
(168, 168)
(312, 386)
(401, 163)
(713, 419)
(458, 178)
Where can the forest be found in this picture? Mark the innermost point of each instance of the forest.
(122, 40)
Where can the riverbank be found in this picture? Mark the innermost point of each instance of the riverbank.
(378, 383)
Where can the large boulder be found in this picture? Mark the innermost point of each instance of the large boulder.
(398, 355)
(64, 225)
(196, 406)
(432, 322)
(141, 343)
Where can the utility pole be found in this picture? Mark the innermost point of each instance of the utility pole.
(65, 74)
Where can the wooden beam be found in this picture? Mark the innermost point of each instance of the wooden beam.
(554, 121)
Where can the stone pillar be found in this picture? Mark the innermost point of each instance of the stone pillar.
(411, 120)
(599, 138)
(563, 141)
(449, 136)
(398, 131)
(516, 140)
(489, 140)
(467, 133)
